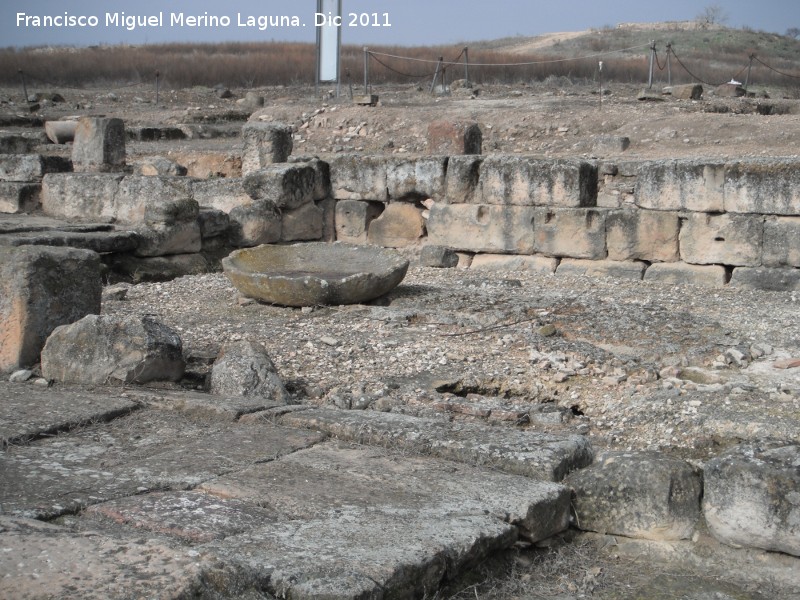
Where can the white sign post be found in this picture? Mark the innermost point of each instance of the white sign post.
(328, 22)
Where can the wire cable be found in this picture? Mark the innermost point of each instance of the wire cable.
(755, 58)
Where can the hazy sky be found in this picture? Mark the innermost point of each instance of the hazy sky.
(413, 22)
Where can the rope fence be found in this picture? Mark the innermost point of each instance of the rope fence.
(655, 62)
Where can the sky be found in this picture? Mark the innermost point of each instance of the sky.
(410, 22)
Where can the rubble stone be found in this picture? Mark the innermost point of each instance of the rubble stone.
(265, 144)
(104, 350)
(99, 145)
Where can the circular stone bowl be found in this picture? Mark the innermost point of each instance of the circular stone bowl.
(315, 273)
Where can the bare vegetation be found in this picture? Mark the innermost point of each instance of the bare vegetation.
(712, 55)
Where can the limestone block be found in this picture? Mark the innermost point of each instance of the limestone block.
(602, 268)
(463, 179)
(438, 257)
(416, 178)
(100, 349)
(353, 218)
(781, 242)
(13, 143)
(681, 185)
(213, 222)
(610, 144)
(691, 91)
(245, 369)
(727, 239)
(328, 206)
(99, 145)
(730, 90)
(156, 268)
(359, 178)
(482, 228)
(637, 494)
(504, 262)
(161, 239)
(399, 225)
(142, 199)
(751, 497)
(322, 171)
(526, 181)
(222, 193)
(18, 197)
(255, 224)
(80, 195)
(769, 186)
(454, 137)
(642, 235)
(265, 144)
(285, 185)
(30, 167)
(765, 278)
(683, 274)
(570, 232)
(302, 224)
(41, 288)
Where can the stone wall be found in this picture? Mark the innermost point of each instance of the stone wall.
(686, 221)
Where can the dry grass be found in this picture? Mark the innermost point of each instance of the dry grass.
(711, 56)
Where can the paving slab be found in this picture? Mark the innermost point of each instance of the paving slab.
(27, 411)
(147, 450)
(521, 452)
(201, 404)
(40, 560)
(355, 557)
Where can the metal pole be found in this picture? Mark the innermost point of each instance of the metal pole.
(749, 68)
(652, 60)
(466, 64)
(157, 80)
(669, 65)
(600, 68)
(24, 87)
(366, 70)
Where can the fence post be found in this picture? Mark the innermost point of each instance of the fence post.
(466, 64)
(24, 86)
(652, 60)
(669, 64)
(158, 75)
(366, 70)
(749, 68)
(436, 73)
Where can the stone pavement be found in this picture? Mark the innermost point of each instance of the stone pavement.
(141, 493)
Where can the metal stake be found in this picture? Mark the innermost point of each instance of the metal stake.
(24, 87)
(652, 60)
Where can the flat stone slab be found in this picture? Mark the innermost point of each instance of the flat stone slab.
(521, 452)
(27, 411)
(200, 404)
(99, 241)
(39, 560)
(10, 223)
(405, 554)
(147, 450)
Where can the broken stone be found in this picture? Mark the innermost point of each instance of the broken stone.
(245, 369)
(106, 350)
(399, 225)
(637, 494)
(751, 497)
(258, 222)
(156, 268)
(159, 166)
(353, 218)
(454, 138)
(60, 132)
(287, 186)
(439, 257)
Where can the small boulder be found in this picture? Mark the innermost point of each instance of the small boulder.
(440, 257)
(751, 497)
(100, 349)
(245, 369)
(637, 494)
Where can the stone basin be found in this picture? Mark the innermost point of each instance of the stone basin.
(315, 273)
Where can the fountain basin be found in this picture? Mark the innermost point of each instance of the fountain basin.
(315, 273)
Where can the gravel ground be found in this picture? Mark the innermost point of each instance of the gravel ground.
(633, 365)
